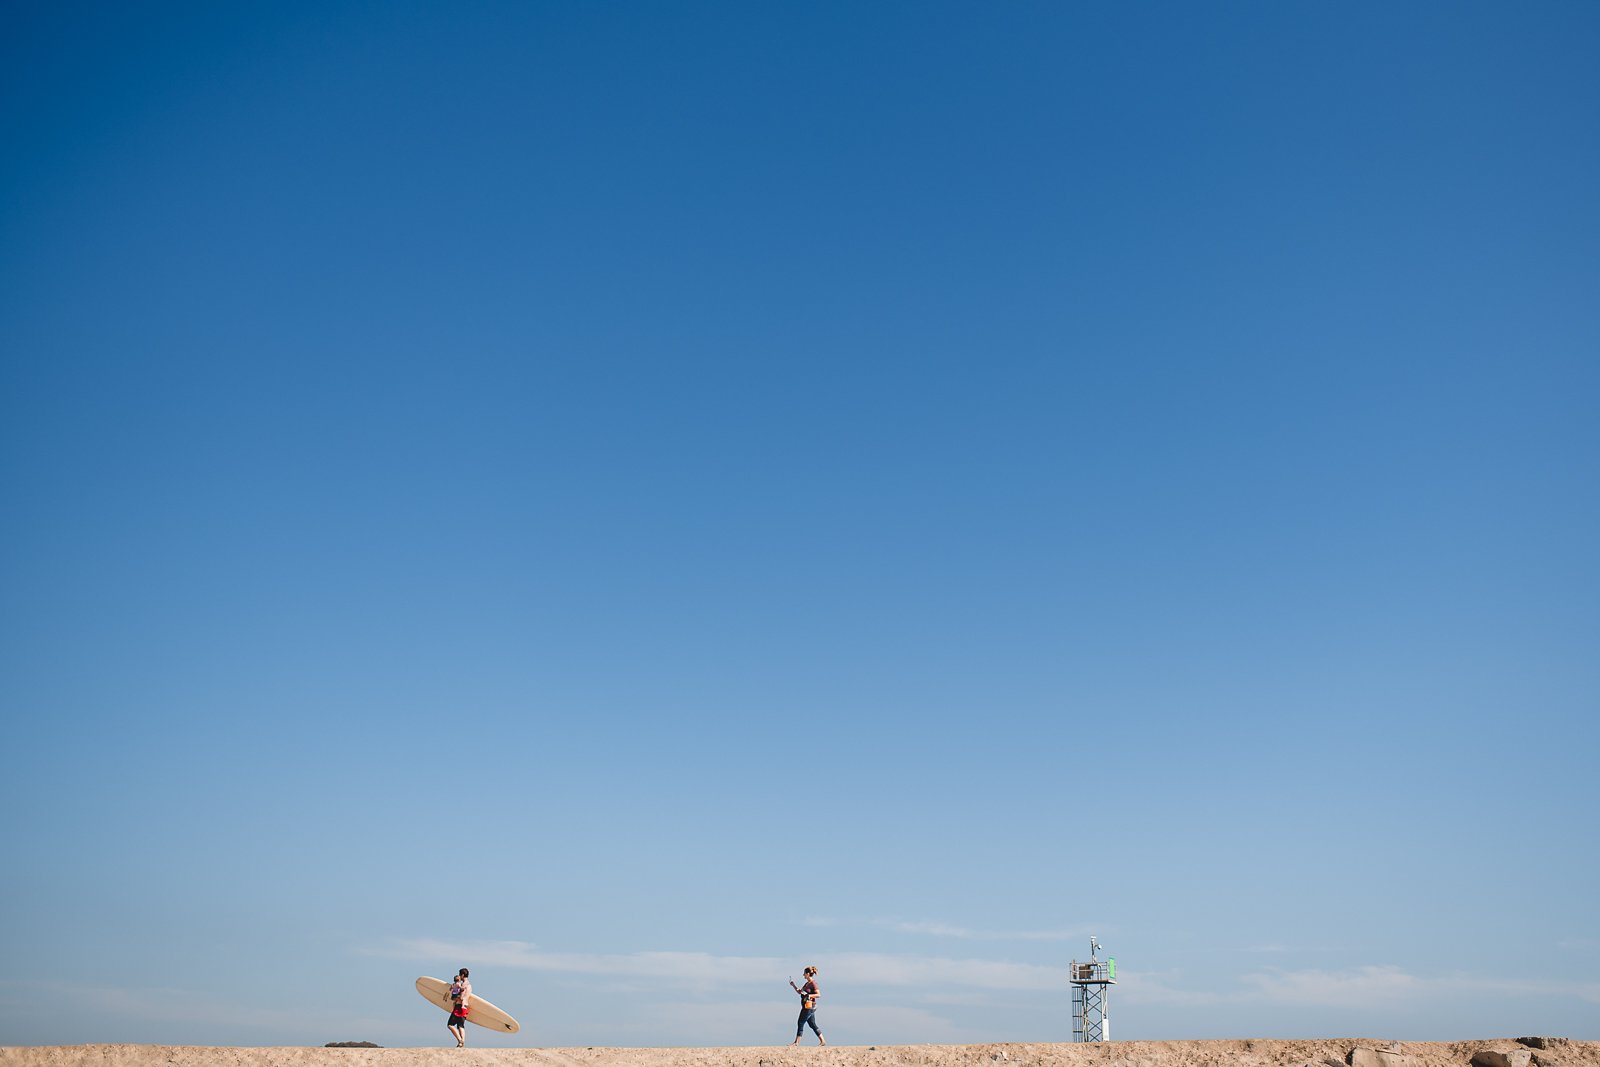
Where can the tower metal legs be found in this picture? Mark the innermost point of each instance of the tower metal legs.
(1089, 1019)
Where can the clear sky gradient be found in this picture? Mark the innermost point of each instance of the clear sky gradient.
(634, 499)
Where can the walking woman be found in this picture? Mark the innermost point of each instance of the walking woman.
(808, 1006)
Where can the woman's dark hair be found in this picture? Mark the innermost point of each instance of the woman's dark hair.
(462, 973)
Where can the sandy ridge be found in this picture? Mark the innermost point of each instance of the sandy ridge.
(1230, 1053)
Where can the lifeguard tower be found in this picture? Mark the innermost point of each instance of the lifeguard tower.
(1091, 986)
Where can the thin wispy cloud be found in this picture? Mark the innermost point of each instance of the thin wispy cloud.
(181, 1006)
(942, 972)
(1343, 989)
(700, 967)
(1353, 988)
(937, 929)
(962, 977)
(859, 968)
(933, 928)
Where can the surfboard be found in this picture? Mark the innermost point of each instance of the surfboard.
(480, 1011)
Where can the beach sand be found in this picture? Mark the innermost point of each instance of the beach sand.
(1231, 1053)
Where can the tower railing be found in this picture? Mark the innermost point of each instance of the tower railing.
(1093, 971)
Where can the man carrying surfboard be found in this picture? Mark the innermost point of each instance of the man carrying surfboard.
(446, 996)
(460, 1007)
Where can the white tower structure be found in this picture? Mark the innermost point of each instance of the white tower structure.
(1091, 988)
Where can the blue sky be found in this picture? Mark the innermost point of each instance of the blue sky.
(634, 499)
